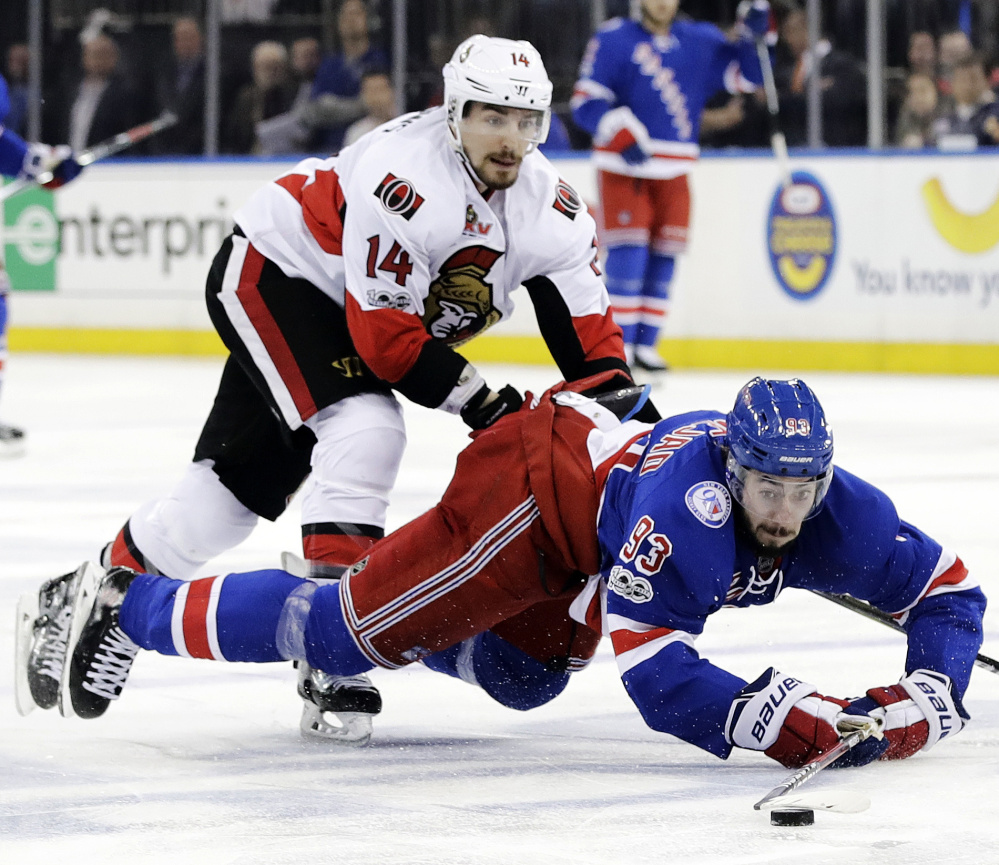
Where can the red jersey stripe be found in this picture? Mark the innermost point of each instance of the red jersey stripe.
(954, 575)
(196, 619)
(322, 206)
(625, 641)
(270, 334)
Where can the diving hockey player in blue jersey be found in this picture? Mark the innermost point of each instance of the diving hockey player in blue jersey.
(641, 91)
(20, 159)
(674, 521)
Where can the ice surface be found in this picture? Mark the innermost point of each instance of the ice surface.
(203, 762)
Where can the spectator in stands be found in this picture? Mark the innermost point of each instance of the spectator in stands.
(16, 73)
(181, 89)
(842, 82)
(269, 94)
(735, 120)
(306, 57)
(974, 118)
(954, 46)
(378, 98)
(103, 103)
(336, 91)
(919, 112)
(922, 54)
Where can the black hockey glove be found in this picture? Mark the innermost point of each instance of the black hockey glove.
(478, 414)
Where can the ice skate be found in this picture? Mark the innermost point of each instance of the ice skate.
(41, 637)
(12, 441)
(352, 700)
(649, 360)
(99, 654)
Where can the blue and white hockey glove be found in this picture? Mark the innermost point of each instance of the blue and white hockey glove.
(619, 131)
(792, 724)
(916, 713)
(59, 161)
(754, 16)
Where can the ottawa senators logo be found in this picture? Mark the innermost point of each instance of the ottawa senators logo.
(398, 196)
(567, 201)
(460, 302)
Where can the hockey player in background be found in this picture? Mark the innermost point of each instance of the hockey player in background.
(674, 521)
(642, 88)
(352, 277)
(23, 160)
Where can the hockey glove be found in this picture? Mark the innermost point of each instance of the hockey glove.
(916, 713)
(619, 131)
(59, 161)
(754, 16)
(486, 407)
(792, 724)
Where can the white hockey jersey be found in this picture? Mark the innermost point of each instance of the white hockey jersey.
(394, 229)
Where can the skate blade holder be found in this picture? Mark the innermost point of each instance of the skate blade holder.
(354, 729)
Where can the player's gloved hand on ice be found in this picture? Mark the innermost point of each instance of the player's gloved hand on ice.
(916, 713)
(754, 16)
(486, 406)
(59, 161)
(793, 724)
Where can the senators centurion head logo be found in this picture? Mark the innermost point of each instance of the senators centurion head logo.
(460, 302)
(398, 196)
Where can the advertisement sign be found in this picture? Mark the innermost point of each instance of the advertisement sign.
(867, 249)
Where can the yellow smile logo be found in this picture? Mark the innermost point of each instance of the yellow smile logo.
(968, 232)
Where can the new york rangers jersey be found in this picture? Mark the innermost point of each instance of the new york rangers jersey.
(654, 89)
(394, 229)
(12, 146)
(673, 553)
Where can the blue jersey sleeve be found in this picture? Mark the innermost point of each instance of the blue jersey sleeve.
(858, 545)
(601, 76)
(12, 146)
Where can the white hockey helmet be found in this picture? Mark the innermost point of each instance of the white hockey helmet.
(497, 72)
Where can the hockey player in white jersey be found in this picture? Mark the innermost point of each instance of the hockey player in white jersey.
(351, 277)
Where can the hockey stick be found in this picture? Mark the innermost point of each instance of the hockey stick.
(865, 609)
(777, 140)
(106, 148)
(844, 802)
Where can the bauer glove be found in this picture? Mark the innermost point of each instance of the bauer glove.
(916, 713)
(792, 724)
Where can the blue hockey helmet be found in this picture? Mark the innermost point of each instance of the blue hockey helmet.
(778, 428)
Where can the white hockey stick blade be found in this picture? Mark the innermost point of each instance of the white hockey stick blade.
(835, 801)
(27, 612)
(354, 730)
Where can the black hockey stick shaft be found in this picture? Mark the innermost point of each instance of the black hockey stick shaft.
(865, 609)
(777, 140)
(106, 148)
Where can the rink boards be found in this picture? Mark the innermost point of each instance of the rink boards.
(886, 262)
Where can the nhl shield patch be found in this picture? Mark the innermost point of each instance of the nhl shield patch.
(710, 502)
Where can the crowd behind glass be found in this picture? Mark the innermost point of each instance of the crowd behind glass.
(310, 76)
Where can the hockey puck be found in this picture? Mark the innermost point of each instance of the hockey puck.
(792, 817)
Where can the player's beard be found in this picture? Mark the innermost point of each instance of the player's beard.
(777, 540)
(495, 176)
